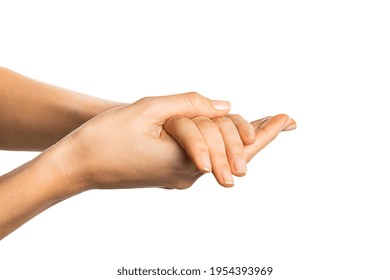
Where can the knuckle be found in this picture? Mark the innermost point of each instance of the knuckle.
(145, 101)
(194, 100)
(146, 105)
(193, 97)
(222, 121)
(204, 123)
(234, 117)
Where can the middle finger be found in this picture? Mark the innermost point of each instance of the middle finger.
(215, 142)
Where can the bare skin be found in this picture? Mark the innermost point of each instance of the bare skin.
(35, 115)
(176, 138)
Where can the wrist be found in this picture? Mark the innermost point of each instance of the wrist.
(66, 162)
(36, 186)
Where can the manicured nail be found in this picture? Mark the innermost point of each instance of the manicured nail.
(240, 165)
(250, 133)
(281, 125)
(220, 105)
(205, 162)
(290, 127)
(285, 124)
(227, 178)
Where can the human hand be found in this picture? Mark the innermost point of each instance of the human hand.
(130, 146)
(127, 146)
(225, 143)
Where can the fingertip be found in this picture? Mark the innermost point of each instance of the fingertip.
(227, 184)
(277, 122)
(239, 165)
(282, 118)
(227, 178)
(291, 125)
(221, 105)
(204, 162)
(287, 122)
(250, 136)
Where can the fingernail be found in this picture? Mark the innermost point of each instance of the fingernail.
(285, 124)
(220, 105)
(240, 165)
(290, 127)
(291, 124)
(227, 178)
(205, 162)
(282, 125)
(250, 133)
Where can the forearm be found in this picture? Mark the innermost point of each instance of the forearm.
(36, 186)
(35, 115)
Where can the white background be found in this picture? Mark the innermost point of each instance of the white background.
(315, 203)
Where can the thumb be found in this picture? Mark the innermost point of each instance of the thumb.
(190, 105)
